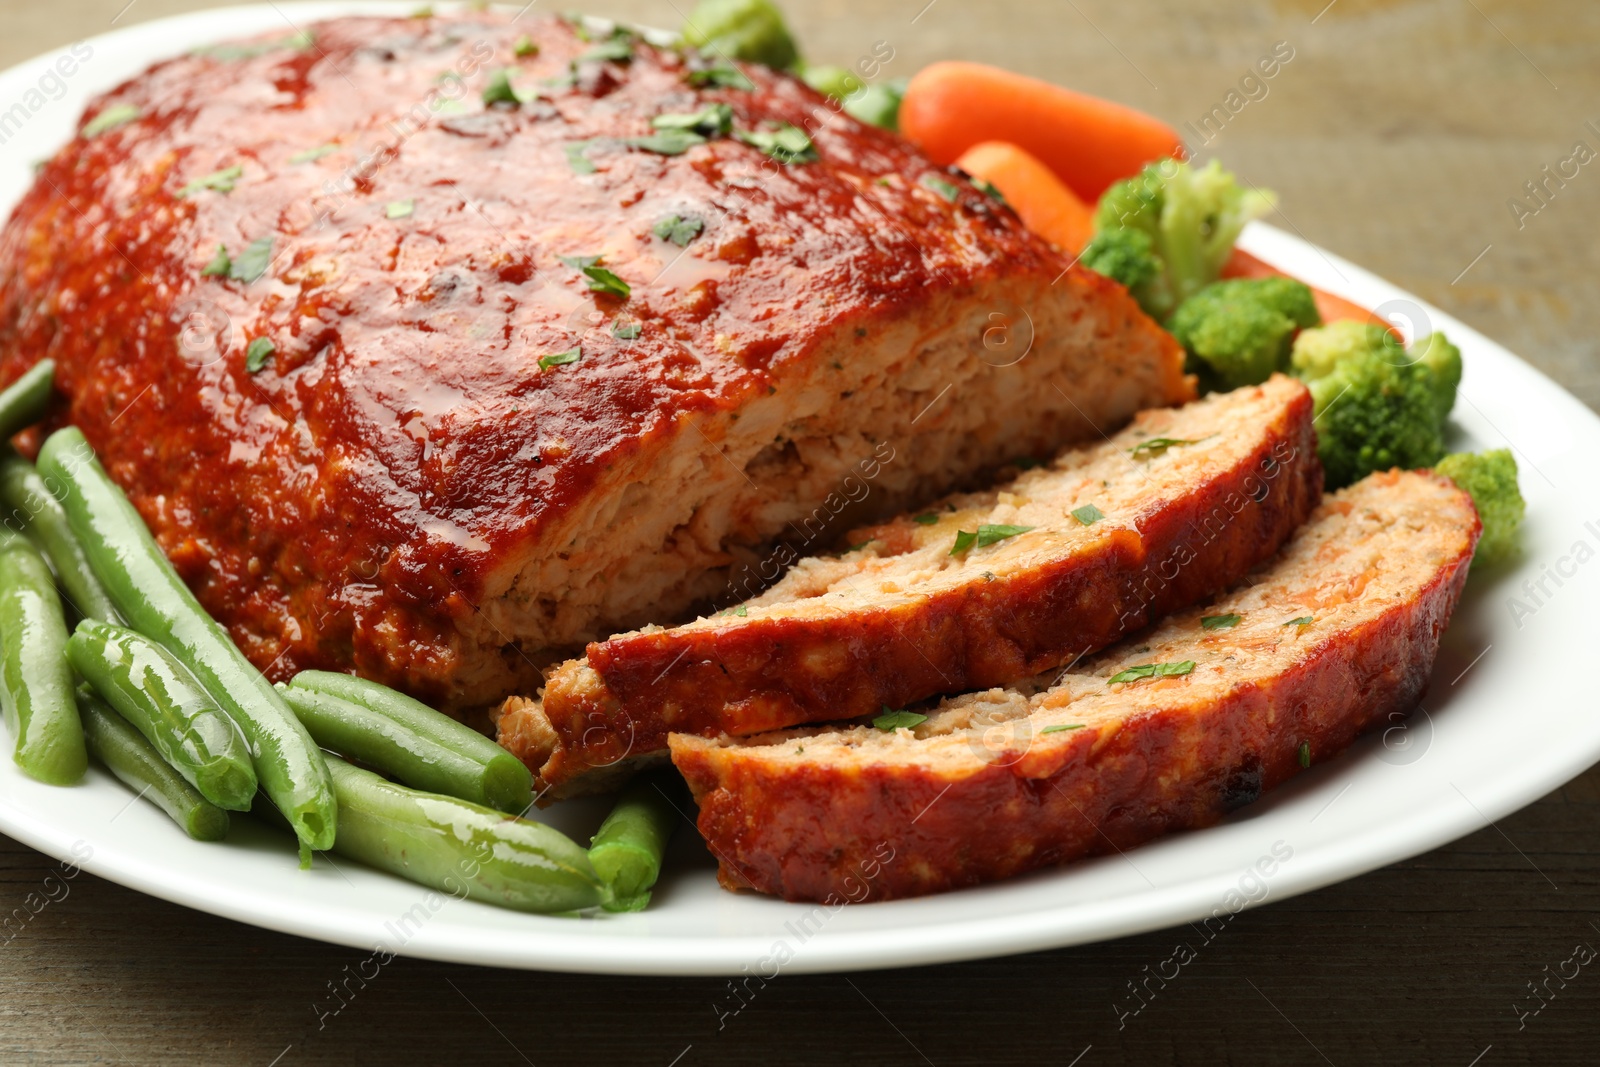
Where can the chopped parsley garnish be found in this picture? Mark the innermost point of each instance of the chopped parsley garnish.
(311, 154)
(253, 262)
(1158, 446)
(257, 353)
(1152, 670)
(925, 520)
(576, 158)
(1305, 753)
(525, 46)
(1088, 515)
(298, 41)
(1057, 729)
(1304, 620)
(666, 142)
(946, 189)
(618, 49)
(988, 534)
(741, 611)
(221, 180)
(1220, 622)
(679, 230)
(988, 189)
(786, 144)
(964, 540)
(109, 119)
(559, 359)
(720, 77)
(400, 209)
(710, 120)
(600, 279)
(499, 90)
(220, 263)
(627, 331)
(898, 720)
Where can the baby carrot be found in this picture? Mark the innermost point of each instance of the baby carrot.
(1087, 141)
(1045, 205)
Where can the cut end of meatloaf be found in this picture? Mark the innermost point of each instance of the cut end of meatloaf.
(1332, 636)
(1062, 561)
(465, 456)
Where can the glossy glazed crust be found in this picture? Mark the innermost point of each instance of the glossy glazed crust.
(357, 502)
(811, 831)
(754, 675)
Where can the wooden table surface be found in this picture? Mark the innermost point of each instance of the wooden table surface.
(1396, 136)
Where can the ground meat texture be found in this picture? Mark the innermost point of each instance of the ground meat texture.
(348, 431)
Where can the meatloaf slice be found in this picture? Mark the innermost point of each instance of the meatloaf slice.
(330, 310)
(1180, 504)
(1332, 636)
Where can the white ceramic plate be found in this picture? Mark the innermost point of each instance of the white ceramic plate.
(1507, 719)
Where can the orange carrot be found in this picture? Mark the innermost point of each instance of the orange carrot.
(1242, 264)
(1045, 206)
(1088, 142)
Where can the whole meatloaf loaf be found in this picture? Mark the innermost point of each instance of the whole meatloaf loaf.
(976, 590)
(425, 352)
(1169, 730)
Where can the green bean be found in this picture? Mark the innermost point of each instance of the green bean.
(627, 850)
(157, 694)
(502, 780)
(154, 600)
(24, 401)
(460, 848)
(43, 521)
(140, 767)
(400, 749)
(35, 682)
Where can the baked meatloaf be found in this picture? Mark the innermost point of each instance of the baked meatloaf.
(1169, 730)
(976, 590)
(424, 352)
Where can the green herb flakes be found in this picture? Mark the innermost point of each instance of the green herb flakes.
(993, 533)
(1304, 620)
(666, 142)
(1057, 729)
(890, 720)
(741, 611)
(1152, 670)
(221, 264)
(257, 353)
(944, 188)
(560, 359)
(925, 520)
(627, 331)
(253, 262)
(109, 119)
(499, 90)
(618, 49)
(1305, 753)
(1220, 622)
(786, 144)
(710, 120)
(679, 230)
(964, 541)
(221, 181)
(720, 77)
(400, 209)
(600, 279)
(1088, 515)
(525, 46)
(312, 154)
(577, 159)
(1157, 446)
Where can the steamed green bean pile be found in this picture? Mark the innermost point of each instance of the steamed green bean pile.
(104, 651)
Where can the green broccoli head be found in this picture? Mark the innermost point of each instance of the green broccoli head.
(1192, 215)
(1239, 332)
(1444, 360)
(1376, 405)
(751, 30)
(1491, 479)
(1127, 256)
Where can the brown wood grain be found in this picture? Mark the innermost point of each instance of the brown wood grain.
(1395, 136)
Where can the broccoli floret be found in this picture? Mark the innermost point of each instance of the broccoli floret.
(1192, 216)
(1376, 405)
(1239, 332)
(1127, 256)
(1444, 360)
(751, 30)
(1491, 479)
